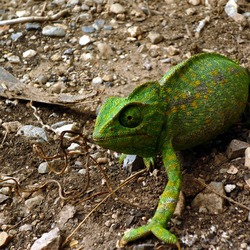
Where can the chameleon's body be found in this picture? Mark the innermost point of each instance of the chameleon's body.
(193, 103)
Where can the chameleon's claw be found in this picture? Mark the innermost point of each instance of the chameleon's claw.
(158, 230)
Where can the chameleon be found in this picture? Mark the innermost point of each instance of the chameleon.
(195, 101)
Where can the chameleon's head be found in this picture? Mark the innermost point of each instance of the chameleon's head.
(133, 124)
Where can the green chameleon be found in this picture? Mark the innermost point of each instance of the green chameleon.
(194, 102)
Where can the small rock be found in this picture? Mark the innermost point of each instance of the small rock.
(82, 171)
(34, 202)
(25, 227)
(12, 127)
(107, 78)
(247, 157)
(53, 31)
(209, 202)
(56, 57)
(72, 3)
(4, 238)
(117, 8)
(89, 2)
(59, 2)
(102, 160)
(74, 147)
(97, 81)
(232, 170)
(147, 65)
(134, 31)
(29, 53)
(58, 87)
(190, 11)
(88, 29)
(67, 127)
(42, 79)
(84, 40)
(32, 26)
(194, 2)
(16, 36)
(68, 51)
(98, 24)
(230, 187)
(236, 149)
(105, 50)
(50, 240)
(67, 212)
(3, 198)
(33, 132)
(22, 13)
(43, 168)
(171, 50)
(87, 57)
(13, 59)
(155, 37)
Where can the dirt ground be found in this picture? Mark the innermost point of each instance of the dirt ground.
(61, 64)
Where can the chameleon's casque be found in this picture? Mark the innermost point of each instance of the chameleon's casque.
(193, 103)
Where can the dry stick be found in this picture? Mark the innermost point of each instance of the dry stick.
(222, 195)
(99, 204)
(35, 18)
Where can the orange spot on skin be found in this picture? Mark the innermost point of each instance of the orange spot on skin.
(197, 83)
(183, 107)
(194, 104)
(197, 95)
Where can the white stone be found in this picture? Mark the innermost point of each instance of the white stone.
(84, 40)
(117, 8)
(97, 81)
(194, 2)
(50, 240)
(247, 157)
(43, 168)
(155, 37)
(29, 53)
(134, 31)
(230, 187)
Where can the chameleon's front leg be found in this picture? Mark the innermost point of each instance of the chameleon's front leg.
(166, 206)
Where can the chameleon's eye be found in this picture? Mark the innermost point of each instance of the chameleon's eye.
(130, 116)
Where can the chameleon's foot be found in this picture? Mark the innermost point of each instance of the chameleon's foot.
(157, 229)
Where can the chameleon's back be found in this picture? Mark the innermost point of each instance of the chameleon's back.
(205, 94)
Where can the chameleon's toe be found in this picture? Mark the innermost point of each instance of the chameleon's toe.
(158, 230)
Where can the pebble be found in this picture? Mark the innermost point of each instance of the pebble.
(145, 246)
(190, 11)
(105, 50)
(34, 202)
(209, 202)
(25, 227)
(22, 13)
(88, 29)
(108, 78)
(102, 160)
(194, 2)
(58, 87)
(172, 51)
(155, 37)
(3, 198)
(13, 59)
(84, 40)
(56, 57)
(12, 127)
(32, 26)
(98, 24)
(67, 127)
(42, 79)
(82, 171)
(47, 240)
(232, 170)
(87, 57)
(230, 187)
(29, 53)
(67, 212)
(16, 36)
(33, 132)
(43, 168)
(85, 7)
(134, 31)
(97, 81)
(73, 147)
(236, 149)
(68, 51)
(247, 157)
(4, 238)
(53, 31)
(89, 2)
(117, 8)
(72, 2)
(59, 2)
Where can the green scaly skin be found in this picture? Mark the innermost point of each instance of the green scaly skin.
(194, 102)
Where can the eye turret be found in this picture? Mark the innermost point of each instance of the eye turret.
(130, 116)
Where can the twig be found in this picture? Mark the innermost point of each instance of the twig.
(100, 203)
(35, 18)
